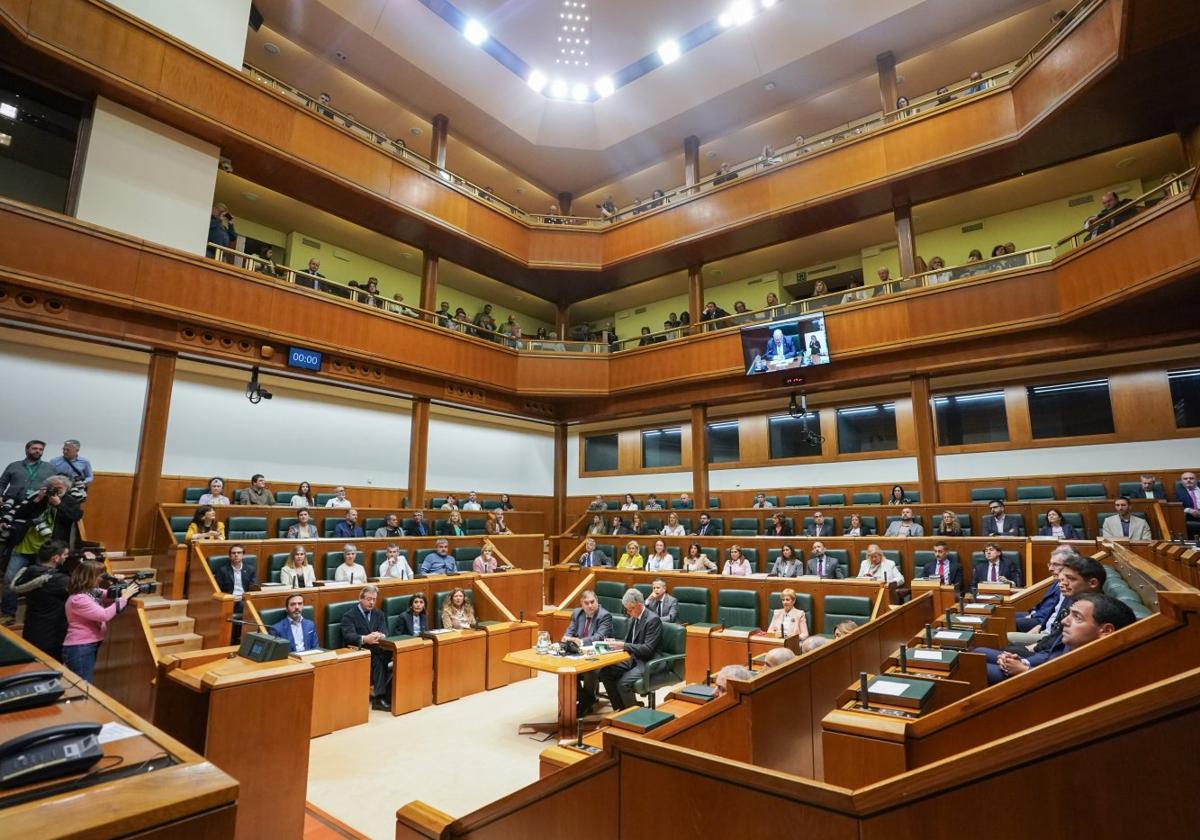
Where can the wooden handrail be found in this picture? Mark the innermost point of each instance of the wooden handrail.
(1180, 180)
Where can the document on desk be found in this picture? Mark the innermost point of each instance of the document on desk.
(946, 634)
(925, 654)
(969, 619)
(308, 652)
(113, 731)
(891, 689)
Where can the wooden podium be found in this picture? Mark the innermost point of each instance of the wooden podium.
(459, 663)
(412, 673)
(341, 688)
(251, 719)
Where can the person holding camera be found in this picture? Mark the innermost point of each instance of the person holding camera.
(49, 514)
(220, 231)
(44, 586)
(89, 609)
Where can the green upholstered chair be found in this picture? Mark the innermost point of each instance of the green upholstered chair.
(686, 522)
(277, 561)
(372, 525)
(475, 526)
(667, 667)
(714, 502)
(612, 504)
(866, 499)
(322, 498)
(274, 615)
(329, 523)
(436, 502)
(246, 528)
(772, 499)
(654, 524)
(620, 625)
(610, 550)
(738, 609)
(1116, 587)
(644, 588)
(923, 557)
(826, 499)
(191, 495)
(179, 526)
(713, 554)
(609, 594)
(913, 496)
(1083, 492)
(393, 608)
(890, 553)
(743, 527)
(801, 500)
(333, 623)
(870, 521)
(987, 494)
(332, 560)
(693, 605)
(285, 522)
(839, 608)
(283, 497)
(1133, 489)
(842, 556)
(1035, 493)
(490, 504)
(804, 601)
(1071, 518)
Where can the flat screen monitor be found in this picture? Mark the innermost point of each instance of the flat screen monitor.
(786, 344)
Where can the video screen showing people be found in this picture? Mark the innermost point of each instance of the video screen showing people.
(784, 345)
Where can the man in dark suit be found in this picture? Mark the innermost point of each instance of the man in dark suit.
(365, 626)
(415, 620)
(300, 632)
(419, 528)
(589, 622)
(781, 348)
(822, 565)
(1150, 488)
(820, 527)
(349, 528)
(1000, 524)
(593, 556)
(1187, 493)
(619, 528)
(707, 528)
(944, 567)
(996, 568)
(236, 579)
(660, 603)
(642, 642)
(1032, 625)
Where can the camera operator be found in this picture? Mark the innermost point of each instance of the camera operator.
(89, 609)
(220, 232)
(49, 514)
(44, 586)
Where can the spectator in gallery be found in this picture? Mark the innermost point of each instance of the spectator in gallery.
(215, 494)
(257, 493)
(304, 528)
(303, 497)
(339, 499)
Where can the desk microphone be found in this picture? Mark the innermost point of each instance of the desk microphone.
(579, 732)
(929, 635)
(708, 677)
(522, 614)
(949, 613)
(254, 624)
(903, 658)
(961, 608)
(862, 690)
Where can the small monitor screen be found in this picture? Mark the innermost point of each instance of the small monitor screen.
(298, 357)
(785, 345)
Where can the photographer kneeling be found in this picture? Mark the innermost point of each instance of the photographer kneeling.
(44, 586)
(89, 609)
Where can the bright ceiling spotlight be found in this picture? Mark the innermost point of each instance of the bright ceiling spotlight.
(559, 89)
(537, 80)
(579, 91)
(725, 20)
(474, 32)
(604, 86)
(768, 3)
(742, 11)
(7, 110)
(668, 51)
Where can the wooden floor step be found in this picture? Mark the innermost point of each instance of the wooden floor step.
(171, 625)
(157, 606)
(179, 643)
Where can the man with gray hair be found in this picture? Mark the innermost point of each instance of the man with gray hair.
(73, 465)
(1033, 625)
(349, 571)
(779, 655)
(730, 672)
(364, 626)
(812, 643)
(643, 638)
(26, 525)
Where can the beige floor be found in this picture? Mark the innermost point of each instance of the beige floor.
(455, 757)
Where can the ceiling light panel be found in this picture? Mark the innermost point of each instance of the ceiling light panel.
(574, 35)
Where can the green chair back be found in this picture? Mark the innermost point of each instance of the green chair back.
(1035, 492)
(1071, 518)
(332, 560)
(693, 604)
(277, 561)
(738, 608)
(1079, 492)
(285, 522)
(609, 594)
(826, 499)
(987, 494)
(283, 497)
(714, 502)
(839, 608)
(796, 501)
(274, 615)
(871, 521)
(804, 601)
(246, 528)
(179, 526)
(867, 499)
(191, 495)
(322, 498)
(842, 556)
(1133, 489)
(333, 623)
(743, 527)
(620, 625)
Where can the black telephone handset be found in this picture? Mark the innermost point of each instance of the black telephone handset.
(61, 750)
(30, 689)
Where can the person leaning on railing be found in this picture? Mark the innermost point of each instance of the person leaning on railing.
(220, 230)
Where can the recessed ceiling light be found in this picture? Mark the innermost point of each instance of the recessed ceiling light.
(725, 20)
(668, 51)
(415, 131)
(270, 49)
(249, 196)
(5, 139)
(559, 89)
(579, 91)
(537, 80)
(340, 56)
(1125, 163)
(769, 86)
(475, 32)
(8, 110)
(604, 86)
(404, 255)
(711, 155)
(520, 191)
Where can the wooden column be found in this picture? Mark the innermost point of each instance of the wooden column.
(437, 141)
(152, 442)
(700, 456)
(429, 281)
(923, 428)
(888, 91)
(564, 203)
(560, 477)
(695, 293)
(562, 319)
(904, 237)
(418, 451)
(691, 160)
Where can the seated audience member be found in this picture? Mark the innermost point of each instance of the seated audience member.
(420, 528)
(787, 564)
(905, 526)
(472, 502)
(660, 560)
(1034, 624)
(598, 503)
(453, 526)
(779, 526)
(44, 586)
(589, 623)
(712, 312)
(646, 339)
(844, 628)
(939, 274)
(996, 568)
(660, 603)
(506, 503)
(1187, 493)
(760, 502)
(1150, 488)
(789, 620)
(1056, 527)
(822, 565)
(685, 501)
(878, 567)
(597, 525)
(857, 290)
(486, 563)
(884, 274)
(445, 317)
(820, 289)
(495, 525)
(948, 526)
(652, 503)
(673, 528)
(303, 497)
(350, 571)
(820, 527)
(723, 175)
(944, 567)
(300, 632)
(1124, 526)
(457, 612)
(979, 85)
(809, 645)
(415, 620)
(451, 503)
(348, 528)
(1091, 616)
(1000, 524)
(365, 626)
(856, 527)
(697, 562)
(902, 108)
(737, 565)
(593, 556)
(707, 527)
(636, 526)
(216, 493)
(304, 528)
(607, 208)
(730, 672)
(390, 527)
(1116, 210)
(296, 572)
(394, 564)
(643, 638)
(629, 503)
(204, 525)
(974, 256)
(897, 496)
(339, 499)
(632, 558)
(257, 493)
(777, 656)
(440, 562)
(619, 528)
(267, 264)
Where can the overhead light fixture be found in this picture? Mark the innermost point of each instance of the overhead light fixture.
(537, 80)
(559, 89)
(474, 32)
(249, 196)
(579, 91)
(8, 110)
(5, 139)
(768, 3)
(725, 20)
(604, 86)
(668, 51)
(742, 11)
(270, 48)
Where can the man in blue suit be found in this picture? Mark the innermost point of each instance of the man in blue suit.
(419, 528)
(300, 632)
(1034, 624)
(781, 348)
(589, 622)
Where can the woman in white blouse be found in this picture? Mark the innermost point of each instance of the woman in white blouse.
(737, 565)
(305, 528)
(303, 497)
(629, 504)
(697, 561)
(660, 560)
(297, 572)
(673, 528)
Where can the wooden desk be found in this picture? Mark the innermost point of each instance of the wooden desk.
(736, 647)
(502, 639)
(412, 674)
(459, 663)
(341, 688)
(568, 671)
(176, 793)
(251, 719)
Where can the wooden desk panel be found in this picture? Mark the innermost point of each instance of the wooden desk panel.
(341, 689)
(459, 664)
(412, 675)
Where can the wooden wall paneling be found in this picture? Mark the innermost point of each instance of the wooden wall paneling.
(102, 38)
(559, 523)
(152, 441)
(36, 247)
(106, 514)
(975, 124)
(585, 374)
(698, 452)
(920, 410)
(754, 440)
(629, 450)
(17, 11)
(1142, 407)
(418, 451)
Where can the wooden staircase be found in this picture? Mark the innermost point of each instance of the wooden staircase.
(169, 623)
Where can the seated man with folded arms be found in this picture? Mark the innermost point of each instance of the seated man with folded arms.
(1092, 616)
(1001, 524)
(364, 626)
(440, 562)
(394, 565)
(593, 556)
(822, 565)
(348, 528)
(391, 527)
(1032, 625)
(660, 603)
(905, 526)
(1124, 526)
(729, 672)
(590, 622)
(257, 493)
(300, 632)
(643, 638)
(350, 571)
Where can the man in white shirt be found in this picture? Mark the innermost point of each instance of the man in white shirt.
(394, 565)
(339, 499)
(1124, 526)
(905, 526)
(349, 571)
(472, 502)
(760, 501)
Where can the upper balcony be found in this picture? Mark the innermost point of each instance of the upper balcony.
(1041, 112)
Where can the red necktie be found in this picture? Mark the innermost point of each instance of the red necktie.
(942, 570)
(587, 627)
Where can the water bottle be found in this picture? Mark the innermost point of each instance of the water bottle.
(543, 642)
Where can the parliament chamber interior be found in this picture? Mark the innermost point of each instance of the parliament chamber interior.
(432, 419)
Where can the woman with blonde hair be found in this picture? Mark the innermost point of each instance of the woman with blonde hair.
(597, 526)
(661, 560)
(457, 613)
(297, 572)
(673, 528)
(632, 558)
(788, 620)
(453, 527)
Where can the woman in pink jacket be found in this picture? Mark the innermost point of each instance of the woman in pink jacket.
(89, 609)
